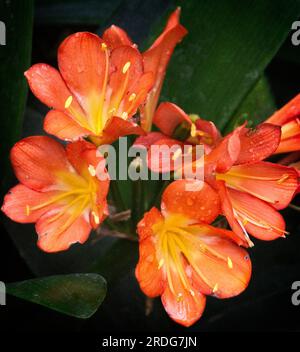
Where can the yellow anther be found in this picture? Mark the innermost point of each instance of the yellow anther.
(68, 102)
(192, 293)
(126, 67)
(160, 264)
(132, 97)
(283, 178)
(245, 222)
(124, 115)
(103, 46)
(177, 154)
(229, 263)
(111, 111)
(27, 210)
(96, 218)
(193, 130)
(179, 297)
(92, 170)
(215, 289)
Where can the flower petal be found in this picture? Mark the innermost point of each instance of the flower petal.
(149, 139)
(48, 86)
(287, 112)
(168, 116)
(55, 236)
(83, 64)
(181, 305)
(19, 201)
(161, 155)
(225, 154)
(259, 143)
(147, 272)
(156, 59)
(115, 36)
(220, 266)
(32, 165)
(115, 128)
(194, 199)
(289, 145)
(259, 218)
(275, 184)
(62, 126)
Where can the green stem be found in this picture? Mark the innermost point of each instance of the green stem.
(117, 196)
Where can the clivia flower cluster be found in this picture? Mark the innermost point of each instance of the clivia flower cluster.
(95, 96)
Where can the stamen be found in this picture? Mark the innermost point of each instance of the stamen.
(193, 130)
(179, 297)
(229, 263)
(27, 210)
(103, 46)
(92, 170)
(192, 293)
(68, 102)
(126, 67)
(132, 97)
(160, 264)
(283, 178)
(215, 289)
(177, 154)
(96, 218)
(124, 115)
(111, 111)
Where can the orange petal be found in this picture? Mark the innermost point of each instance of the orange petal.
(48, 86)
(227, 210)
(259, 143)
(83, 64)
(52, 235)
(115, 128)
(289, 145)
(181, 305)
(210, 128)
(19, 201)
(156, 59)
(225, 154)
(275, 184)
(83, 155)
(161, 155)
(194, 199)
(32, 164)
(144, 228)
(149, 139)
(259, 218)
(115, 36)
(62, 126)
(147, 271)
(220, 266)
(287, 112)
(168, 116)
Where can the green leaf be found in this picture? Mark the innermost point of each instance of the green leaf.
(229, 45)
(78, 295)
(88, 12)
(14, 60)
(255, 108)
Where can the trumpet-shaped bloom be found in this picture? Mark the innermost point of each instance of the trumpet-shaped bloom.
(183, 258)
(288, 118)
(96, 91)
(177, 129)
(251, 189)
(156, 59)
(62, 190)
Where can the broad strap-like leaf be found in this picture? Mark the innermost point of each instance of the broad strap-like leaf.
(78, 295)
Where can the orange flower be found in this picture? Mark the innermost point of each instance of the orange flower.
(183, 258)
(156, 59)
(251, 190)
(288, 118)
(60, 190)
(95, 92)
(177, 128)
